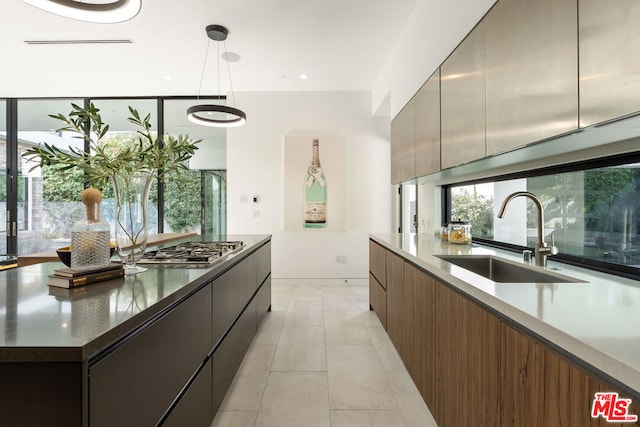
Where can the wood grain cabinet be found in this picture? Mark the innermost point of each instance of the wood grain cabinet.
(395, 299)
(540, 387)
(474, 367)
(377, 281)
(418, 353)
(467, 361)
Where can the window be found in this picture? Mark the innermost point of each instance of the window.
(46, 200)
(592, 210)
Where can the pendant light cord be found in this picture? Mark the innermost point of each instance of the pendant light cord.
(233, 96)
(204, 66)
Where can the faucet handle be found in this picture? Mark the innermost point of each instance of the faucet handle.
(553, 249)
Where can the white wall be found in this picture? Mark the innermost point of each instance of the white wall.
(436, 27)
(255, 165)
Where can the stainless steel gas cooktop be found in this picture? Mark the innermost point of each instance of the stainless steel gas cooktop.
(192, 253)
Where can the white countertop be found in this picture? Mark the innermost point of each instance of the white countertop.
(597, 321)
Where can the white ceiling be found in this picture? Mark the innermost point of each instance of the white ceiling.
(339, 44)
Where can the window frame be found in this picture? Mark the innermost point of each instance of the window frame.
(588, 263)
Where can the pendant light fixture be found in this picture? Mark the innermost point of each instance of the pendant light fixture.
(101, 13)
(216, 115)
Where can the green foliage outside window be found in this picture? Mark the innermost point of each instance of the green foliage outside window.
(476, 208)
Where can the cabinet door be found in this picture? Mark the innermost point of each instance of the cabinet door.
(541, 387)
(231, 293)
(378, 299)
(419, 331)
(403, 144)
(194, 408)
(467, 361)
(395, 299)
(532, 70)
(463, 101)
(264, 300)
(263, 262)
(609, 40)
(136, 384)
(229, 354)
(377, 265)
(522, 380)
(427, 105)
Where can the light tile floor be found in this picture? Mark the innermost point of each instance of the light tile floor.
(321, 358)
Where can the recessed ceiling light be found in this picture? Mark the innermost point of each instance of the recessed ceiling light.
(168, 77)
(303, 76)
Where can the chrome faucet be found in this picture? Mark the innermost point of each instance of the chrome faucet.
(542, 251)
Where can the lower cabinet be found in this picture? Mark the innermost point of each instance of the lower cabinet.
(194, 409)
(395, 298)
(475, 368)
(467, 366)
(378, 299)
(177, 370)
(139, 381)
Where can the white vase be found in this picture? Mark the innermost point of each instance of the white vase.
(132, 217)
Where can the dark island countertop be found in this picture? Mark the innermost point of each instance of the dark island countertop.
(42, 323)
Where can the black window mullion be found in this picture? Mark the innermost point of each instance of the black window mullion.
(12, 176)
(160, 104)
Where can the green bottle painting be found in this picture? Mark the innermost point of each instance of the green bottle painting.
(315, 192)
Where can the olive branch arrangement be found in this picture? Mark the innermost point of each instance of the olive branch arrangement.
(150, 154)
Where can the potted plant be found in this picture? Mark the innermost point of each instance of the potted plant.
(129, 168)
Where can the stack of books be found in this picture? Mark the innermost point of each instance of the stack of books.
(72, 277)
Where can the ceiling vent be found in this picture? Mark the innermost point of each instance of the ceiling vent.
(81, 41)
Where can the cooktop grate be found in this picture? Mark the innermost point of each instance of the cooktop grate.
(199, 253)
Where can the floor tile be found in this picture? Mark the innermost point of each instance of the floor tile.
(367, 418)
(346, 327)
(305, 312)
(235, 419)
(320, 357)
(387, 353)
(269, 330)
(245, 393)
(357, 379)
(301, 348)
(412, 406)
(295, 399)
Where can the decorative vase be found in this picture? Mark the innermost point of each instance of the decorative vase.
(132, 217)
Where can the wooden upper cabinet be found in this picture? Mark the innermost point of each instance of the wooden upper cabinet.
(462, 85)
(403, 144)
(609, 42)
(427, 106)
(532, 71)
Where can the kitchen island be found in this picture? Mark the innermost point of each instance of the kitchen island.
(485, 352)
(159, 347)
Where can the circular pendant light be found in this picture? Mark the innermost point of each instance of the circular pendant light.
(216, 115)
(101, 13)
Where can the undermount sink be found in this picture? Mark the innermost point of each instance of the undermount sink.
(505, 271)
